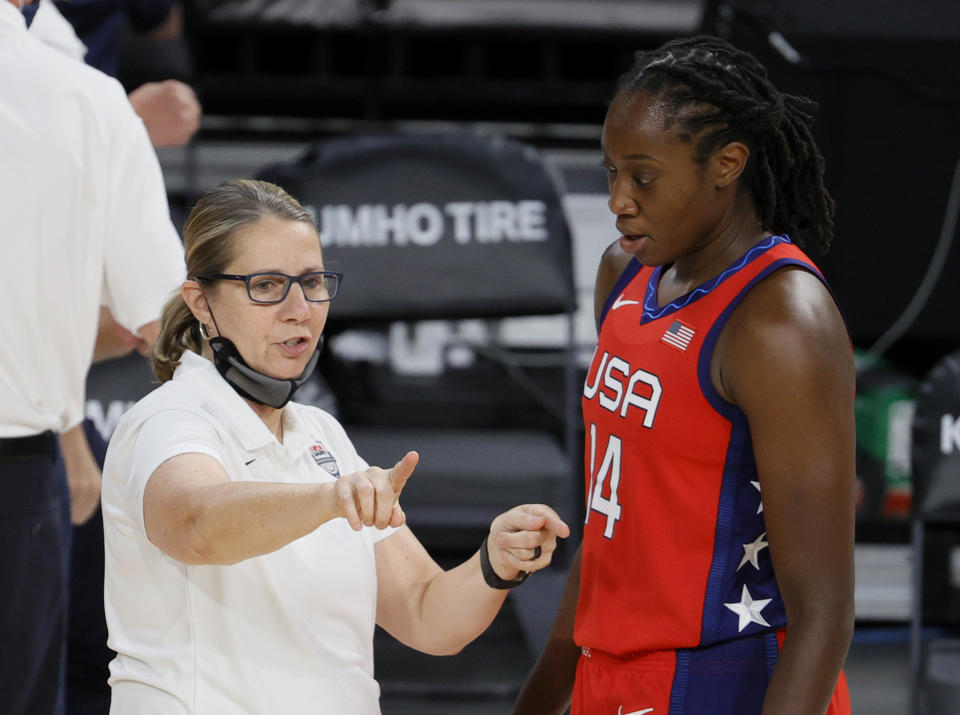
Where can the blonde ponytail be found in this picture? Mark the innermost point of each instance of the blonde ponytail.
(179, 331)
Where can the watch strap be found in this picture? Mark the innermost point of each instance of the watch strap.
(490, 576)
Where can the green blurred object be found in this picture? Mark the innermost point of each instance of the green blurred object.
(883, 408)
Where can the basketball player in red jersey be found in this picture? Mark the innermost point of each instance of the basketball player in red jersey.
(716, 570)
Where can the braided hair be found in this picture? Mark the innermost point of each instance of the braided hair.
(718, 94)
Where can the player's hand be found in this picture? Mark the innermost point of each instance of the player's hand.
(113, 340)
(524, 539)
(84, 484)
(170, 111)
(371, 497)
(83, 474)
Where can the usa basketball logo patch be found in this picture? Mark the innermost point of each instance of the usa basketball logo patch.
(324, 459)
(678, 335)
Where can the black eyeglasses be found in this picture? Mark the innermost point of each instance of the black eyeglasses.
(317, 286)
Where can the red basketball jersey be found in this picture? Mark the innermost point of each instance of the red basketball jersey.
(674, 547)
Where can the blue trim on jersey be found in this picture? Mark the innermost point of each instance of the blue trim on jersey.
(729, 678)
(733, 469)
(681, 678)
(773, 651)
(629, 273)
(728, 410)
(734, 512)
(651, 307)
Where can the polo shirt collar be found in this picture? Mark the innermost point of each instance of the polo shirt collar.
(297, 436)
(11, 17)
(222, 400)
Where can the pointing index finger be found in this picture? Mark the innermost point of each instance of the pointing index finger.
(552, 521)
(402, 470)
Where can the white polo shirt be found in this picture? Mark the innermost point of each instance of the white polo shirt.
(287, 632)
(84, 221)
(54, 30)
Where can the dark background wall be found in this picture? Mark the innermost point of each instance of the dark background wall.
(885, 73)
(886, 77)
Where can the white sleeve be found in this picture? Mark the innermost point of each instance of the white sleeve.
(54, 30)
(164, 435)
(143, 254)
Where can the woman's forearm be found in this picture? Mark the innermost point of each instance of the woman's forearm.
(193, 512)
(439, 612)
(456, 606)
(234, 521)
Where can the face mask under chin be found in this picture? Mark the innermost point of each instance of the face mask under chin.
(254, 385)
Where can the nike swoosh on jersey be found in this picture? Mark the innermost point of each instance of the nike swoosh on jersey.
(619, 303)
(635, 712)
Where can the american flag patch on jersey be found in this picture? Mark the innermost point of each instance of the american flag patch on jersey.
(679, 335)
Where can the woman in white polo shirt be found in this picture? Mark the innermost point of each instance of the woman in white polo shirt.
(249, 548)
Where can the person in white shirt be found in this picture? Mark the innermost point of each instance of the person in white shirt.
(169, 109)
(85, 223)
(249, 549)
(171, 115)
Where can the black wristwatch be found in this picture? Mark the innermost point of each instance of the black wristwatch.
(490, 576)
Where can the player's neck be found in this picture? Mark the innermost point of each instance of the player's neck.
(714, 256)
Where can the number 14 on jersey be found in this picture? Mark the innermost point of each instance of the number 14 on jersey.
(609, 471)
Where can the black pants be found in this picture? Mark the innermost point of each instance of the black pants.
(32, 579)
